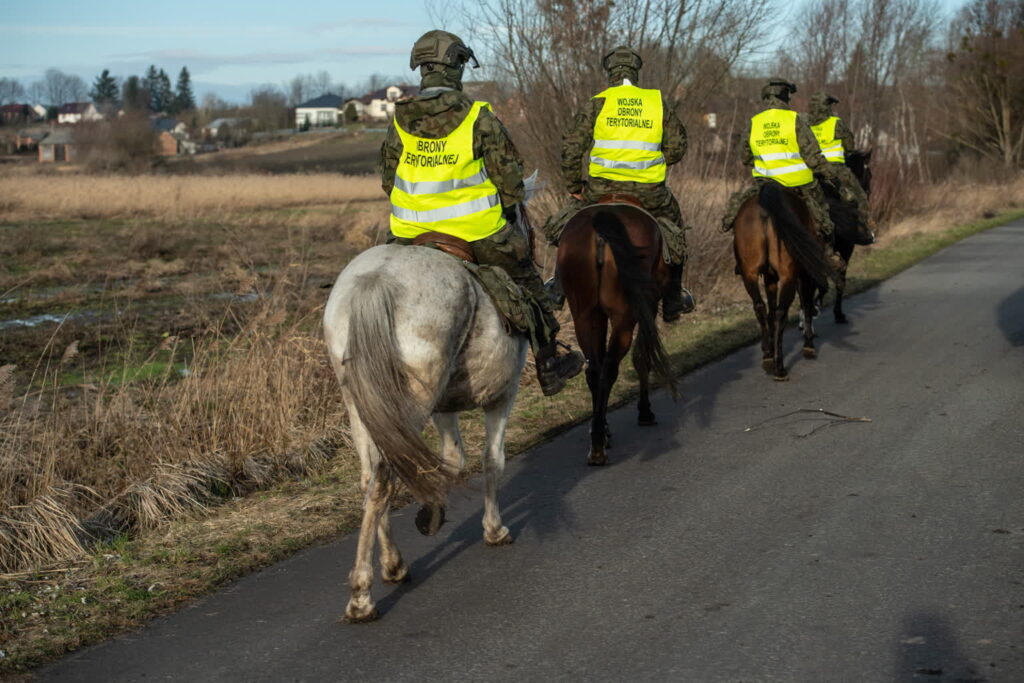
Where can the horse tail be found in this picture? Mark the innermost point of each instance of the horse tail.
(804, 248)
(639, 288)
(379, 385)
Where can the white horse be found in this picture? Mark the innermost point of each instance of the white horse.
(412, 335)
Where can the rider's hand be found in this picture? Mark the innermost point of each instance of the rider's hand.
(576, 195)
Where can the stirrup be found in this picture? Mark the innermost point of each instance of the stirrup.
(553, 287)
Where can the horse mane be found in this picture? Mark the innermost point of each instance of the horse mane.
(844, 216)
(641, 294)
(799, 241)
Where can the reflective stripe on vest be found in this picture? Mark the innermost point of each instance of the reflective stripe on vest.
(774, 146)
(440, 187)
(627, 136)
(831, 148)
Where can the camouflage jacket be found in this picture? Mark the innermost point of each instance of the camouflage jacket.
(843, 132)
(435, 113)
(809, 148)
(579, 138)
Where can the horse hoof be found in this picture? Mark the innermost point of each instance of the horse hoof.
(781, 378)
(647, 420)
(768, 364)
(361, 616)
(502, 537)
(429, 519)
(399, 574)
(810, 352)
(597, 460)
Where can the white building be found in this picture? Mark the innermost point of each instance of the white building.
(380, 104)
(74, 112)
(325, 110)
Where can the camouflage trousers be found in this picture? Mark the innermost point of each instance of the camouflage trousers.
(509, 250)
(811, 195)
(851, 192)
(656, 198)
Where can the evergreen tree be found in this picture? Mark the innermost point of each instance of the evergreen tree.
(135, 94)
(104, 89)
(159, 87)
(166, 96)
(183, 98)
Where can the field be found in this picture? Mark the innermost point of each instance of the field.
(167, 415)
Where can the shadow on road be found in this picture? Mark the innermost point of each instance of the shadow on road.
(1011, 317)
(928, 650)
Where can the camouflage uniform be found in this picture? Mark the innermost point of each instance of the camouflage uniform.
(846, 183)
(656, 197)
(435, 113)
(811, 193)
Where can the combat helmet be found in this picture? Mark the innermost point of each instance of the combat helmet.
(778, 87)
(441, 47)
(622, 56)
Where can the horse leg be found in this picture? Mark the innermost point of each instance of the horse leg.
(495, 417)
(785, 291)
(806, 292)
(430, 517)
(837, 307)
(772, 360)
(591, 333)
(617, 349)
(645, 417)
(753, 286)
(360, 579)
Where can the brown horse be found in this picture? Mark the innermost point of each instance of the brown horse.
(774, 241)
(613, 274)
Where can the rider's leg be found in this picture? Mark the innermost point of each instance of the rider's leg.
(509, 249)
(851, 191)
(663, 205)
(814, 198)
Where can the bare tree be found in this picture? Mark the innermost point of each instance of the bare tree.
(11, 91)
(61, 88)
(550, 52)
(986, 71)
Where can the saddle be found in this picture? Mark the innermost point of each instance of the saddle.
(457, 247)
(621, 198)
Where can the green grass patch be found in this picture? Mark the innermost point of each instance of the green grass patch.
(128, 581)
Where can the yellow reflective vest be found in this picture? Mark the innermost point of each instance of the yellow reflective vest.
(831, 148)
(440, 187)
(776, 150)
(627, 136)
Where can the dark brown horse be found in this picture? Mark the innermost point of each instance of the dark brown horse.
(774, 241)
(849, 231)
(611, 266)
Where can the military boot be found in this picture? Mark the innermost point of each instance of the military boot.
(553, 371)
(677, 299)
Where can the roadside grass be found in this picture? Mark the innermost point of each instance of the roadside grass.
(127, 580)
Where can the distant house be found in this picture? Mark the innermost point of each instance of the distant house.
(17, 113)
(40, 111)
(172, 137)
(215, 127)
(75, 112)
(379, 105)
(325, 110)
(57, 146)
(28, 140)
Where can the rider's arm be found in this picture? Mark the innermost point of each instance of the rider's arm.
(810, 150)
(577, 140)
(746, 154)
(390, 155)
(673, 140)
(845, 136)
(492, 143)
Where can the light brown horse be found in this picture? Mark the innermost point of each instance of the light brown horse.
(774, 241)
(611, 266)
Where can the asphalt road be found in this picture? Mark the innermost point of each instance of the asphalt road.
(805, 549)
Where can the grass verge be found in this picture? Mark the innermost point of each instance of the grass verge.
(126, 582)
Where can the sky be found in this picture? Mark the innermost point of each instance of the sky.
(229, 46)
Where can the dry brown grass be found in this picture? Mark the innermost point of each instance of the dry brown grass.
(259, 405)
(79, 195)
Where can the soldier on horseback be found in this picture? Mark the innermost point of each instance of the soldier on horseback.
(835, 140)
(631, 138)
(449, 167)
(782, 149)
